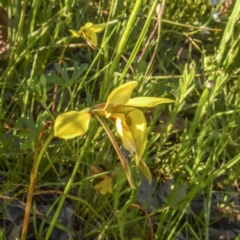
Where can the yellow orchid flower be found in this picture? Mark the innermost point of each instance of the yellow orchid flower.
(130, 122)
(88, 32)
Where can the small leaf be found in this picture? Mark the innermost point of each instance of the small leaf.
(145, 170)
(77, 71)
(62, 71)
(55, 79)
(71, 124)
(105, 185)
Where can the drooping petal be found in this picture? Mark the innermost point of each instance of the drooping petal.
(125, 135)
(120, 95)
(75, 33)
(147, 101)
(138, 127)
(71, 124)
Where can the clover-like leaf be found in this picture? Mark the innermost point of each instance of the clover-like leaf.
(105, 185)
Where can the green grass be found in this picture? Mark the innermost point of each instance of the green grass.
(195, 141)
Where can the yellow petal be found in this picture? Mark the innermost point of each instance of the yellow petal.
(98, 27)
(120, 95)
(137, 124)
(75, 33)
(87, 26)
(90, 36)
(120, 154)
(125, 135)
(147, 101)
(71, 124)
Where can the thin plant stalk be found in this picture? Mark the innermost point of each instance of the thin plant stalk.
(37, 158)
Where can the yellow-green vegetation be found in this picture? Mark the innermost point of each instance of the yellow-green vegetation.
(80, 159)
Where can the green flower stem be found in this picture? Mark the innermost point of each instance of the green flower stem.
(109, 75)
(67, 189)
(34, 174)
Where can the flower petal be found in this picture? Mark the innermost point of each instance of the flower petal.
(90, 36)
(87, 26)
(137, 124)
(75, 33)
(147, 101)
(125, 134)
(119, 153)
(98, 27)
(120, 95)
(71, 124)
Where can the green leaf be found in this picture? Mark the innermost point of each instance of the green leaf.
(55, 79)
(77, 71)
(71, 124)
(62, 71)
(30, 129)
